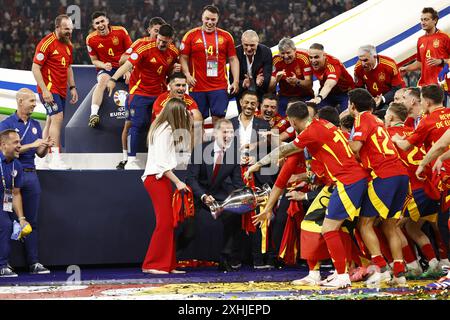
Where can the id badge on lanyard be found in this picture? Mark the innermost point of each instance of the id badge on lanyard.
(212, 62)
(7, 193)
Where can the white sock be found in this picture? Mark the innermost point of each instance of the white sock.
(94, 109)
(124, 155)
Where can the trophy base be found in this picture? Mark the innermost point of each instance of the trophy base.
(216, 214)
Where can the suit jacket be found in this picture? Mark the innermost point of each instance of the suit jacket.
(262, 62)
(260, 151)
(200, 172)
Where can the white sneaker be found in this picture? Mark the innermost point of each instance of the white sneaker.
(444, 264)
(399, 281)
(312, 279)
(41, 163)
(414, 269)
(341, 281)
(133, 165)
(377, 278)
(58, 164)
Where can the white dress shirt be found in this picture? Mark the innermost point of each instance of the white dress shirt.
(245, 134)
(161, 155)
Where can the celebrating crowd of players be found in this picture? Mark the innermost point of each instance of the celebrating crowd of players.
(379, 187)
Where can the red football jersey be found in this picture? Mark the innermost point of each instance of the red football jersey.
(109, 48)
(153, 66)
(378, 152)
(134, 77)
(295, 164)
(410, 122)
(381, 79)
(410, 158)
(334, 69)
(299, 68)
(436, 45)
(55, 58)
(327, 144)
(277, 122)
(162, 99)
(198, 52)
(431, 128)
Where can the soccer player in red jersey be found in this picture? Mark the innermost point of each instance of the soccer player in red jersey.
(387, 190)
(327, 144)
(177, 89)
(430, 129)
(379, 75)
(204, 54)
(105, 47)
(411, 99)
(153, 29)
(52, 70)
(421, 207)
(335, 81)
(153, 62)
(433, 49)
(292, 70)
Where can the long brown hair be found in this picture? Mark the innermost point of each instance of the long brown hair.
(175, 113)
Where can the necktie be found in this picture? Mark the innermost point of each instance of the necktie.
(218, 164)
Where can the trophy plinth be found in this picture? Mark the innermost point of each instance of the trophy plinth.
(240, 201)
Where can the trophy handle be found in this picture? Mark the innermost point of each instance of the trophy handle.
(215, 209)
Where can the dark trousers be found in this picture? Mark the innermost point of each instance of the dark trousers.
(31, 194)
(6, 228)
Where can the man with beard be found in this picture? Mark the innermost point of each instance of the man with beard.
(204, 54)
(52, 70)
(105, 46)
(292, 70)
(379, 75)
(153, 62)
(335, 81)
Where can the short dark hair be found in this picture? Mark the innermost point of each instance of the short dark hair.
(347, 122)
(317, 46)
(166, 30)
(97, 14)
(434, 13)
(211, 8)
(270, 96)
(330, 114)
(154, 21)
(362, 99)
(399, 109)
(4, 135)
(251, 93)
(433, 92)
(177, 75)
(414, 91)
(298, 110)
(60, 18)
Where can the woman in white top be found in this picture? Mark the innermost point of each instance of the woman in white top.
(158, 178)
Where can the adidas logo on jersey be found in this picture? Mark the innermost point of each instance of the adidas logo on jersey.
(153, 60)
(199, 41)
(55, 52)
(421, 46)
(100, 46)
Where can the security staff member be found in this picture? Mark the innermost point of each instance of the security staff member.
(11, 182)
(30, 134)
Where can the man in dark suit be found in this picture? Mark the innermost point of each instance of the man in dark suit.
(255, 63)
(254, 140)
(214, 172)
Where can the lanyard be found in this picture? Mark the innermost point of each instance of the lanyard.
(3, 176)
(26, 130)
(217, 44)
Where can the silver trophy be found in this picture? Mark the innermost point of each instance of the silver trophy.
(240, 201)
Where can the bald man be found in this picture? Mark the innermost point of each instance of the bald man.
(255, 63)
(30, 134)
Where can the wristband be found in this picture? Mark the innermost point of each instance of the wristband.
(319, 96)
(72, 87)
(443, 62)
(112, 79)
(22, 218)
